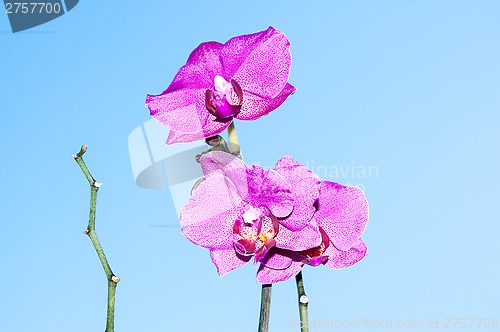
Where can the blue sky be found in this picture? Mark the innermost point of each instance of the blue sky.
(409, 88)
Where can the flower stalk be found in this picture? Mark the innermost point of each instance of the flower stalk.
(265, 307)
(234, 143)
(91, 233)
(303, 302)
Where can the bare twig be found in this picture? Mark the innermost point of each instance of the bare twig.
(90, 231)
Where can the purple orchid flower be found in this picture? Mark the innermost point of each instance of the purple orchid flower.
(242, 211)
(342, 215)
(284, 218)
(245, 78)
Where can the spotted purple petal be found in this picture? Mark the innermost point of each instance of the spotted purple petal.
(227, 260)
(200, 69)
(275, 259)
(259, 62)
(268, 275)
(209, 216)
(342, 213)
(341, 259)
(305, 189)
(255, 106)
(308, 237)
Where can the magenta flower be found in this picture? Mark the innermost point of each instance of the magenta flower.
(342, 215)
(241, 211)
(245, 78)
(283, 218)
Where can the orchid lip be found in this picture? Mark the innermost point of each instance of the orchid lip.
(261, 253)
(316, 261)
(218, 103)
(245, 247)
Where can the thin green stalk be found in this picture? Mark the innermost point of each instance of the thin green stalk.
(303, 302)
(265, 307)
(234, 143)
(90, 231)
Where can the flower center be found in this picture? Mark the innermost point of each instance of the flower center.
(254, 233)
(225, 100)
(314, 256)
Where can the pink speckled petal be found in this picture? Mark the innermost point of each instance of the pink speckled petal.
(200, 69)
(341, 259)
(287, 161)
(181, 110)
(176, 137)
(268, 188)
(213, 127)
(266, 275)
(305, 191)
(227, 260)
(308, 237)
(254, 106)
(233, 167)
(256, 186)
(342, 213)
(277, 259)
(259, 62)
(209, 216)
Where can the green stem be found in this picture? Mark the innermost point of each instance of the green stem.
(303, 302)
(265, 307)
(234, 143)
(90, 231)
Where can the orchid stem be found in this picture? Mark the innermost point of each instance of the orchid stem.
(234, 143)
(303, 302)
(265, 307)
(90, 231)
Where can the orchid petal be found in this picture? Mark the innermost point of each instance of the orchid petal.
(266, 275)
(200, 69)
(256, 186)
(179, 110)
(277, 259)
(341, 259)
(254, 106)
(209, 216)
(342, 213)
(259, 62)
(227, 260)
(308, 237)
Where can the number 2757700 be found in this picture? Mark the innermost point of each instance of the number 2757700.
(32, 8)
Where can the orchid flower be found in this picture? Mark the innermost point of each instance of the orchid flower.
(241, 211)
(283, 218)
(342, 216)
(245, 78)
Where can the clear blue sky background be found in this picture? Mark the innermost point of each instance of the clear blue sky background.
(408, 87)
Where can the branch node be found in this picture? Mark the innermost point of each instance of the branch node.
(304, 299)
(87, 232)
(115, 279)
(80, 153)
(97, 184)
